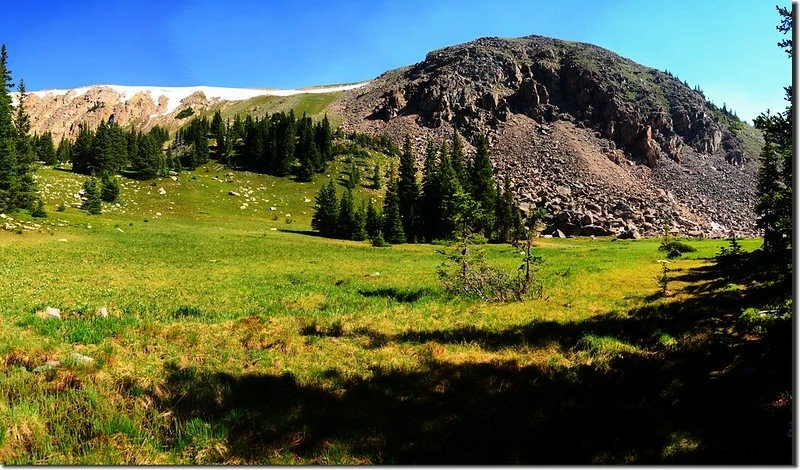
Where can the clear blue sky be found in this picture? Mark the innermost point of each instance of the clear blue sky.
(727, 47)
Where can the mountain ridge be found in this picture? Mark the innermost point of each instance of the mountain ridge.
(606, 145)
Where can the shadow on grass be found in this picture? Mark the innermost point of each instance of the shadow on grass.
(398, 294)
(715, 397)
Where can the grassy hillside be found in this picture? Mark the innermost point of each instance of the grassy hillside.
(236, 336)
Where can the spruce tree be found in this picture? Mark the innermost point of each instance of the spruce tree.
(451, 198)
(504, 213)
(45, 150)
(372, 222)
(429, 199)
(326, 210)
(9, 181)
(109, 188)
(64, 151)
(774, 196)
(482, 186)
(377, 182)
(82, 150)
(359, 223)
(91, 197)
(353, 175)
(346, 223)
(324, 138)
(392, 222)
(458, 160)
(408, 191)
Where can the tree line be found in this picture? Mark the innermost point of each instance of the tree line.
(452, 189)
(280, 144)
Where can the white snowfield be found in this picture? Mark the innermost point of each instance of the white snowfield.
(174, 95)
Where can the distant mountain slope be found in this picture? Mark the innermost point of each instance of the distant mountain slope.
(596, 138)
(61, 111)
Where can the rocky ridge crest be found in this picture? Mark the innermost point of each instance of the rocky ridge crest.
(608, 146)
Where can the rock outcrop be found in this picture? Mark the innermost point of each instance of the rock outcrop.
(608, 146)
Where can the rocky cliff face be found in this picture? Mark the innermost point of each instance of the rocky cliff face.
(607, 145)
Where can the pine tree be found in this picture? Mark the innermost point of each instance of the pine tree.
(451, 198)
(326, 210)
(372, 222)
(482, 186)
(91, 197)
(377, 181)
(504, 213)
(359, 221)
(392, 222)
(346, 226)
(9, 181)
(64, 151)
(45, 150)
(353, 175)
(457, 159)
(82, 149)
(774, 196)
(430, 197)
(408, 191)
(324, 138)
(109, 188)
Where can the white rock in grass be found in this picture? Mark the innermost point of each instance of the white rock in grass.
(375, 274)
(119, 230)
(162, 191)
(102, 312)
(80, 359)
(62, 239)
(53, 312)
(49, 365)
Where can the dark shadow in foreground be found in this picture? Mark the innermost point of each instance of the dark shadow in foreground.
(717, 397)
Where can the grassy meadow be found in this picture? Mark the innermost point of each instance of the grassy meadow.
(235, 335)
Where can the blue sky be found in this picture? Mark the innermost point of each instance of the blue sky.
(727, 47)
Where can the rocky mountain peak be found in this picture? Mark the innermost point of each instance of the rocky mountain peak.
(579, 124)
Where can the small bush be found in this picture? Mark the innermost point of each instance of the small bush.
(755, 321)
(186, 311)
(379, 242)
(61, 207)
(38, 210)
(675, 248)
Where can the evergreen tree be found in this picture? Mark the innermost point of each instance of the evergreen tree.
(109, 188)
(482, 186)
(377, 182)
(324, 139)
(346, 227)
(305, 150)
(353, 175)
(392, 222)
(64, 151)
(82, 150)
(505, 225)
(451, 198)
(775, 175)
(458, 159)
(45, 150)
(372, 222)
(408, 191)
(9, 181)
(359, 223)
(217, 126)
(91, 197)
(326, 210)
(429, 199)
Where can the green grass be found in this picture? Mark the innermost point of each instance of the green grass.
(236, 337)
